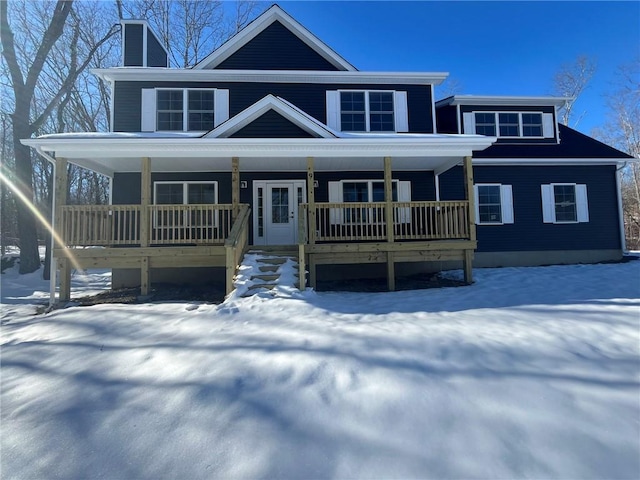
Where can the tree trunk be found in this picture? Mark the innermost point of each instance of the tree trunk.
(29, 256)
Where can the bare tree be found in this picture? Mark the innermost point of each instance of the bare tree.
(40, 26)
(191, 29)
(570, 81)
(622, 130)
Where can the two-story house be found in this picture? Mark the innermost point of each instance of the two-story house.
(276, 140)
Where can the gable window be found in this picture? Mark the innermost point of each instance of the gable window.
(183, 109)
(494, 204)
(565, 203)
(510, 124)
(367, 111)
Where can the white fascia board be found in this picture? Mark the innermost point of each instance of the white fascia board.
(160, 74)
(261, 107)
(482, 100)
(249, 32)
(547, 162)
(427, 146)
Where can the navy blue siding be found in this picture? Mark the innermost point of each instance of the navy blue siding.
(309, 97)
(529, 233)
(276, 48)
(156, 56)
(271, 125)
(447, 119)
(133, 45)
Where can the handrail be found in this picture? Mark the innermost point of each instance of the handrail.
(367, 221)
(236, 244)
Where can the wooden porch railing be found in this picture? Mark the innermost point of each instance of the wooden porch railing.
(236, 244)
(115, 225)
(363, 221)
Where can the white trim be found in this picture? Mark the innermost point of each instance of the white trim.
(271, 76)
(274, 13)
(145, 46)
(270, 102)
(623, 233)
(549, 205)
(220, 114)
(433, 110)
(472, 124)
(490, 100)
(400, 110)
(548, 162)
(437, 186)
(506, 203)
(296, 183)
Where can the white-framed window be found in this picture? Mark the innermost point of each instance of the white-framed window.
(367, 111)
(367, 191)
(183, 109)
(509, 124)
(494, 204)
(564, 203)
(200, 222)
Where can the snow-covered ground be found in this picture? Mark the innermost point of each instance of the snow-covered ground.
(529, 373)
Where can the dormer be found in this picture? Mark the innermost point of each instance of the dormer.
(275, 41)
(511, 119)
(141, 46)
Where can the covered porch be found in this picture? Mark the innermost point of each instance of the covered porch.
(147, 235)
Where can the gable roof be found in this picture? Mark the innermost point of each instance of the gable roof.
(271, 15)
(289, 111)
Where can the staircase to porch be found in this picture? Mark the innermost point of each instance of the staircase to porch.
(264, 269)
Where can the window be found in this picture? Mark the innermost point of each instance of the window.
(367, 111)
(183, 109)
(565, 203)
(188, 193)
(494, 204)
(367, 191)
(510, 124)
(171, 115)
(486, 124)
(198, 223)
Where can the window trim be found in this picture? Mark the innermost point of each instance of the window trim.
(547, 129)
(400, 109)
(549, 204)
(506, 204)
(185, 191)
(367, 110)
(185, 107)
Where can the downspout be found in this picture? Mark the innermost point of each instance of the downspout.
(623, 240)
(52, 270)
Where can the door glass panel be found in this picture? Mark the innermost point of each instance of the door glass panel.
(279, 205)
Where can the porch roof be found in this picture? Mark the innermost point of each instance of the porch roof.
(108, 153)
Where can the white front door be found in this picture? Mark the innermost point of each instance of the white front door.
(275, 211)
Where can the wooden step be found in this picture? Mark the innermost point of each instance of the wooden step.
(266, 286)
(266, 277)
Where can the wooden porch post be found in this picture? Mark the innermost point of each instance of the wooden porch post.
(235, 186)
(145, 201)
(60, 199)
(471, 218)
(311, 200)
(388, 199)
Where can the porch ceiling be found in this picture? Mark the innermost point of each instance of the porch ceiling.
(408, 152)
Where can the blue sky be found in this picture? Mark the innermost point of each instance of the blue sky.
(498, 47)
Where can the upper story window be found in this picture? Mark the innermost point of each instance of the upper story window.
(172, 115)
(510, 124)
(183, 109)
(367, 111)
